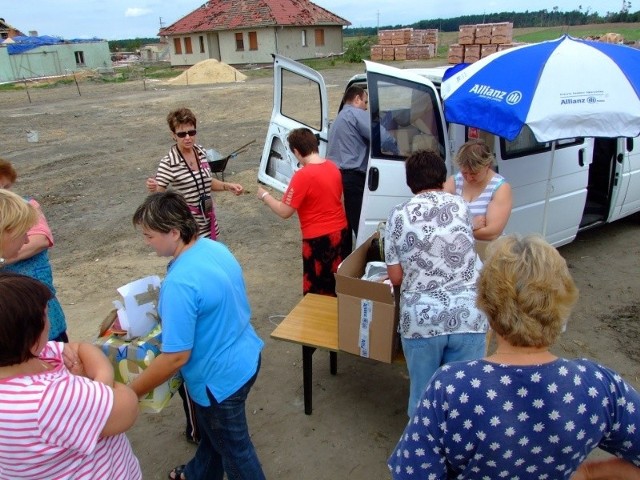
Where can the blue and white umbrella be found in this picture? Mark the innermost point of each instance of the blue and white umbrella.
(561, 88)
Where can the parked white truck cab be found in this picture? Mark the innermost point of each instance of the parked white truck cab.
(559, 188)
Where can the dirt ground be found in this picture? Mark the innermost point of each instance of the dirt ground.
(88, 170)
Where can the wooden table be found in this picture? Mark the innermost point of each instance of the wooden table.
(313, 323)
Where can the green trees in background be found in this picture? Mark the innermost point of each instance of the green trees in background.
(541, 18)
(132, 45)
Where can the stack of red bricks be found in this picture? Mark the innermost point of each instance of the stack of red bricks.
(405, 44)
(478, 41)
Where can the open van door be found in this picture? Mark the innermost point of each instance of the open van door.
(299, 100)
(626, 181)
(406, 106)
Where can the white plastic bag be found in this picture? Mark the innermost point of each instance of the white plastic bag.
(137, 312)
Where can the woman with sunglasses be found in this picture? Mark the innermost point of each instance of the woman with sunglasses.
(186, 170)
(487, 193)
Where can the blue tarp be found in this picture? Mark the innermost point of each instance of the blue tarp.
(23, 43)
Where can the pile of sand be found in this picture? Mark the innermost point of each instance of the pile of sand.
(208, 71)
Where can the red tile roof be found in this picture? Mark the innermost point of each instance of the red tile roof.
(235, 14)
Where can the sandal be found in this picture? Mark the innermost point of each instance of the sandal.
(177, 473)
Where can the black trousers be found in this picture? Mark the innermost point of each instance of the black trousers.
(353, 190)
(192, 431)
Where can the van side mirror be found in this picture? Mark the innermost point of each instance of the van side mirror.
(629, 144)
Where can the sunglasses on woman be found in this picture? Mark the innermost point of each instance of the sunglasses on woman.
(191, 133)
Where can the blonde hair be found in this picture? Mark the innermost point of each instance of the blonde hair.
(526, 290)
(474, 155)
(17, 216)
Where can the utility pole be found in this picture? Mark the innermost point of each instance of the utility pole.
(378, 21)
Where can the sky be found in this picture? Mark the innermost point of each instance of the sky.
(125, 19)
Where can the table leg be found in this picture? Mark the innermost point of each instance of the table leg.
(333, 362)
(307, 377)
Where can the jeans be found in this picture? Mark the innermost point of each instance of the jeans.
(425, 355)
(225, 445)
(353, 190)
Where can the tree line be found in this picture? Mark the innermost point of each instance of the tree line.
(541, 18)
(131, 45)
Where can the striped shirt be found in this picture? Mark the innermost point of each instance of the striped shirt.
(478, 206)
(173, 171)
(50, 425)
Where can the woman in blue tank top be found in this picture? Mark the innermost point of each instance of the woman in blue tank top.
(487, 193)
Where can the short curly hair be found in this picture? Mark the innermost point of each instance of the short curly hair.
(526, 290)
(181, 116)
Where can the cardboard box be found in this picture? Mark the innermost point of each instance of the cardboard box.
(467, 35)
(376, 52)
(401, 36)
(502, 33)
(483, 33)
(430, 35)
(471, 53)
(384, 37)
(400, 52)
(130, 358)
(367, 311)
(456, 53)
(487, 50)
(420, 52)
(417, 37)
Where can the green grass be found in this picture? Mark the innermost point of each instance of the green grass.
(630, 32)
(160, 72)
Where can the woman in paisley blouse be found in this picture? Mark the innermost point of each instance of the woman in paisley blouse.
(522, 412)
(429, 251)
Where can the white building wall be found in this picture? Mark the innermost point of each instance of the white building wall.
(290, 42)
(287, 41)
(58, 59)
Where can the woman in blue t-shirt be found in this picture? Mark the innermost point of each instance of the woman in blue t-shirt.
(206, 334)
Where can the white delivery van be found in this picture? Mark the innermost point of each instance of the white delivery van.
(559, 188)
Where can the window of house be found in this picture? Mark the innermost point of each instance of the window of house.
(239, 42)
(304, 38)
(79, 57)
(253, 41)
(201, 38)
(319, 37)
(177, 46)
(187, 45)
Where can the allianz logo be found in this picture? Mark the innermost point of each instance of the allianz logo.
(512, 98)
